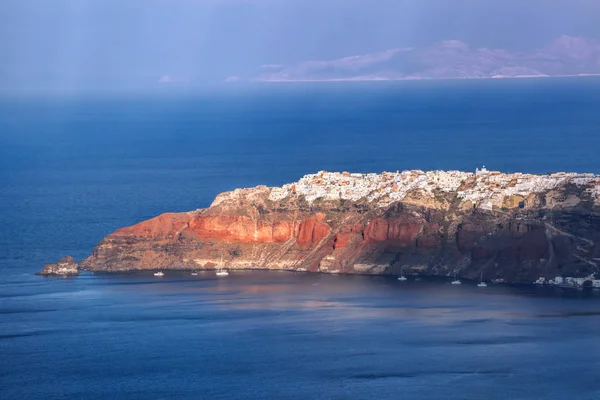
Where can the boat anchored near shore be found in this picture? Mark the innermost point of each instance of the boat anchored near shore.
(456, 281)
(159, 273)
(402, 277)
(221, 271)
(481, 282)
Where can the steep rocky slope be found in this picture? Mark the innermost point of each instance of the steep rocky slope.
(511, 226)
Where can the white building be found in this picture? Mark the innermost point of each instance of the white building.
(540, 281)
(579, 281)
(558, 280)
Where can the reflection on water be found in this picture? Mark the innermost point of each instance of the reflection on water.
(282, 335)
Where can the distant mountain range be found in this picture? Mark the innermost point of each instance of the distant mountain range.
(450, 59)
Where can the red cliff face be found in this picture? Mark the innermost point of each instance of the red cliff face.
(400, 232)
(313, 230)
(242, 229)
(347, 234)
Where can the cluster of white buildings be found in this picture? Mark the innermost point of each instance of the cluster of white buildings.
(484, 189)
(491, 188)
(383, 188)
(569, 281)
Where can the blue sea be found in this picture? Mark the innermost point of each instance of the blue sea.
(74, 167)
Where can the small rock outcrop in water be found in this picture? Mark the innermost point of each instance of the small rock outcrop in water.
(64, 266)
(517, 227)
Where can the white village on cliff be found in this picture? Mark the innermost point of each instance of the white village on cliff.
(484, 189)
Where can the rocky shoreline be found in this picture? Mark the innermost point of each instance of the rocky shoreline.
(64, 267)
(516, 227)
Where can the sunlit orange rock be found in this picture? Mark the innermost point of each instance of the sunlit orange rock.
(312, 230)
(397, 231)
(163, 226)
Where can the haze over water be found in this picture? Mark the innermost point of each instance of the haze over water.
(75, 168)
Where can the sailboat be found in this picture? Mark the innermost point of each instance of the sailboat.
(481, 282)
(456, 281)
(402, 277)
(220, 270)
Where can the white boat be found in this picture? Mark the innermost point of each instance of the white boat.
(456, 281)
(481, 282)
(220, 270)
(194, 273)
(402, 277)
(498, 280)
(159, 273)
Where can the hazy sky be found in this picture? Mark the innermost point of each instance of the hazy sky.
(117, 43)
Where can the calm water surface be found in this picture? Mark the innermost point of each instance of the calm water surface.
(74, 168)
(256, 335)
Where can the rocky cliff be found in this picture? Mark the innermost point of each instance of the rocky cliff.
(512, 226)
(64, 267)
